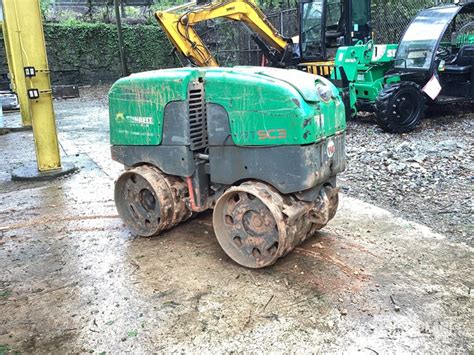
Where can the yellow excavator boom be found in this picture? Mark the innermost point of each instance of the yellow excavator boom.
(178, 25)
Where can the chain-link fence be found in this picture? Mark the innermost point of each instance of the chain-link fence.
(391, 18)
(232, 43)
(84, 3)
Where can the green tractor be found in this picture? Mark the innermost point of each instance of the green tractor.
(434, 63)
(363, 68)
(260, 146)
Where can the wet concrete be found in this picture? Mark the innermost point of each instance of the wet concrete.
(73, 279)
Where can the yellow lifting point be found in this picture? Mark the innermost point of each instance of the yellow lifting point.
(24, 40)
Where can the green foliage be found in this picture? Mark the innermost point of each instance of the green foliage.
(45, 7)
(72, 21)
(132, 11)
(166, 4)
(91, 49)
(276, 4)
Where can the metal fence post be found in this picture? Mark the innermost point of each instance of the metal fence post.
(281, 23)
(123, 58)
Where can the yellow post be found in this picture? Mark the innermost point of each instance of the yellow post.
(26, 51)
(15, 68)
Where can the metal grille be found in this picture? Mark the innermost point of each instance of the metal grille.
(197, 116)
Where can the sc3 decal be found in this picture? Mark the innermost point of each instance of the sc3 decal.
(271, 134)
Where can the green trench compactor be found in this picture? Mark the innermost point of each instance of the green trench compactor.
(260, 146)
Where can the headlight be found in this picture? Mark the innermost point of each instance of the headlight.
(324, 92)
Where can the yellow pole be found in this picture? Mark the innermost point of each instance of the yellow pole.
(15, 68)
(24, 38)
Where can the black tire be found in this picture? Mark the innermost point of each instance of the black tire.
(400, 107)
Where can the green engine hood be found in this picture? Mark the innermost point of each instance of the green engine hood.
(303, 82)
(265, 106)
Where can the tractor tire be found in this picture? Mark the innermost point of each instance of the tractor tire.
(400, 107)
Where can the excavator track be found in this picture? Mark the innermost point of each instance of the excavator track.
(150, 202)
(255, 224)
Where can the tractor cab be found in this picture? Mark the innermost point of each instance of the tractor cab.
(326, 25)
(437, 51)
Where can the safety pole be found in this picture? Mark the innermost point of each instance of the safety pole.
(17, 78)
(24, 38)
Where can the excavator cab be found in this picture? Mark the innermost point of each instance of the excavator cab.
(326, 25)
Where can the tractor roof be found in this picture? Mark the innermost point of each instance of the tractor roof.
(464, 7)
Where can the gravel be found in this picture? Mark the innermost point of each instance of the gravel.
(425, 176)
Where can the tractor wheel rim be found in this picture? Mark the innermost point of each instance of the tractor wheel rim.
(406, 108)
(147, 200)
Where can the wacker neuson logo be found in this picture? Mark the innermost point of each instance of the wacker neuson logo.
(139, 120)
(142, 121)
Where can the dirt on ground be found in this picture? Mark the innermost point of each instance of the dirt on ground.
(384, 276)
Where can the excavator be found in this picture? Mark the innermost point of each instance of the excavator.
(179, 25)
(324, 26)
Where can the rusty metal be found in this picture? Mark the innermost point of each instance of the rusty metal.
(325, 208)
(192, 200)
(150, 202)
(255, 224)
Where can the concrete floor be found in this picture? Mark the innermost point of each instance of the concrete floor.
(73, 279)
